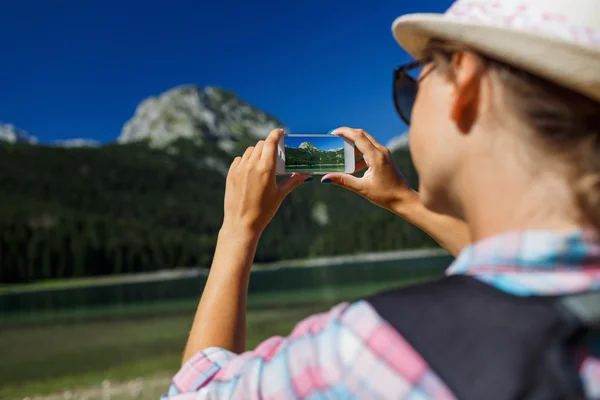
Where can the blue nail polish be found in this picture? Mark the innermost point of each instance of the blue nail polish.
(326, 180)
(308, 179)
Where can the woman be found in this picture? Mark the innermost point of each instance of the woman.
(504, 135)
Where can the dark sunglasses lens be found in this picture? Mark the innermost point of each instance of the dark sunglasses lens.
(405, 93)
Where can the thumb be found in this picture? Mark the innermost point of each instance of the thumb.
(347, 181)
(291, 183)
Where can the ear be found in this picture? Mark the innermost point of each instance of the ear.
(467, 84)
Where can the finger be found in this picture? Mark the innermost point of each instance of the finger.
(353, 134)
(368, 150)
(258, 149)
(269, 153)
(361, 142)
(235, 162)
(275, 136)
(357, 132)
(346, 132)
(291, 183)
(344, 180)
(247, 153)
(372, 140)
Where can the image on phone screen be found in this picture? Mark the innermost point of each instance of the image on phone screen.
(323, 153)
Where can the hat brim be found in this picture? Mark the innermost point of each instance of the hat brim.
(563, 62)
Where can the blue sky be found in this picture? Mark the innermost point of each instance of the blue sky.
(79, 68)
(322, 143)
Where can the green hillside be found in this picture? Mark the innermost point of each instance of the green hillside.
(72, 212)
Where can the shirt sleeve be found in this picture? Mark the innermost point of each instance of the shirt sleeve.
(348, 352)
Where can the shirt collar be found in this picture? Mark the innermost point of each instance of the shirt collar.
(534, 262)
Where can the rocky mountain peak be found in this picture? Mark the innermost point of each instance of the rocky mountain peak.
(307, 146)
(10, 133)
(399, 142)
(77, 142)
(199, 114)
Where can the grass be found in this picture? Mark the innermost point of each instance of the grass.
(65, 357)
(65, 352)
(265, 300)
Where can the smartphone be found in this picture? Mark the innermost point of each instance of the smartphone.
(314, 154)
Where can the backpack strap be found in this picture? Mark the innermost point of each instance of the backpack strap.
(585, 307)
(488, 344)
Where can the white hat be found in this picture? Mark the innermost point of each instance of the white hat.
(555, 39)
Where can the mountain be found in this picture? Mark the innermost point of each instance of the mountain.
(308, 146)
(155, 200)
(398, 142)
(9, 133)
(197, 114)
(77, 142)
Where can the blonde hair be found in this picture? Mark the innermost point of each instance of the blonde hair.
(566, 122)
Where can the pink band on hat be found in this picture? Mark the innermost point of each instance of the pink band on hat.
(524, 17)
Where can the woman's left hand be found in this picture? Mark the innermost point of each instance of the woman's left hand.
(252, 195)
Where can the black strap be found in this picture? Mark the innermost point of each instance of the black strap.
(487, 344)
(585, 307)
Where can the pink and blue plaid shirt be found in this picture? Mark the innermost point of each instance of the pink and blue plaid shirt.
(350, 352)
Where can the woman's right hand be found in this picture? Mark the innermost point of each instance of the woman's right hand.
(382, 183)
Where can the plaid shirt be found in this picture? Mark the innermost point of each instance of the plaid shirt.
(350, 352)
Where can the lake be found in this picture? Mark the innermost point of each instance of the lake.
(315, 168)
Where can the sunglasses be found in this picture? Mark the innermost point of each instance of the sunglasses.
(406, 86)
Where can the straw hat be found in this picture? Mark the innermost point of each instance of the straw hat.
(555, 39)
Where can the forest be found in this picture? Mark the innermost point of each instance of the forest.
(73, 212)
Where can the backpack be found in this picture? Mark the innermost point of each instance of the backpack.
(486, 344)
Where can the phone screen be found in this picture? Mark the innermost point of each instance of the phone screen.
(319, 153)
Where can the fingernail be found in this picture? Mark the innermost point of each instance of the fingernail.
(326, 180)
(308, 179)
(330, 132)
